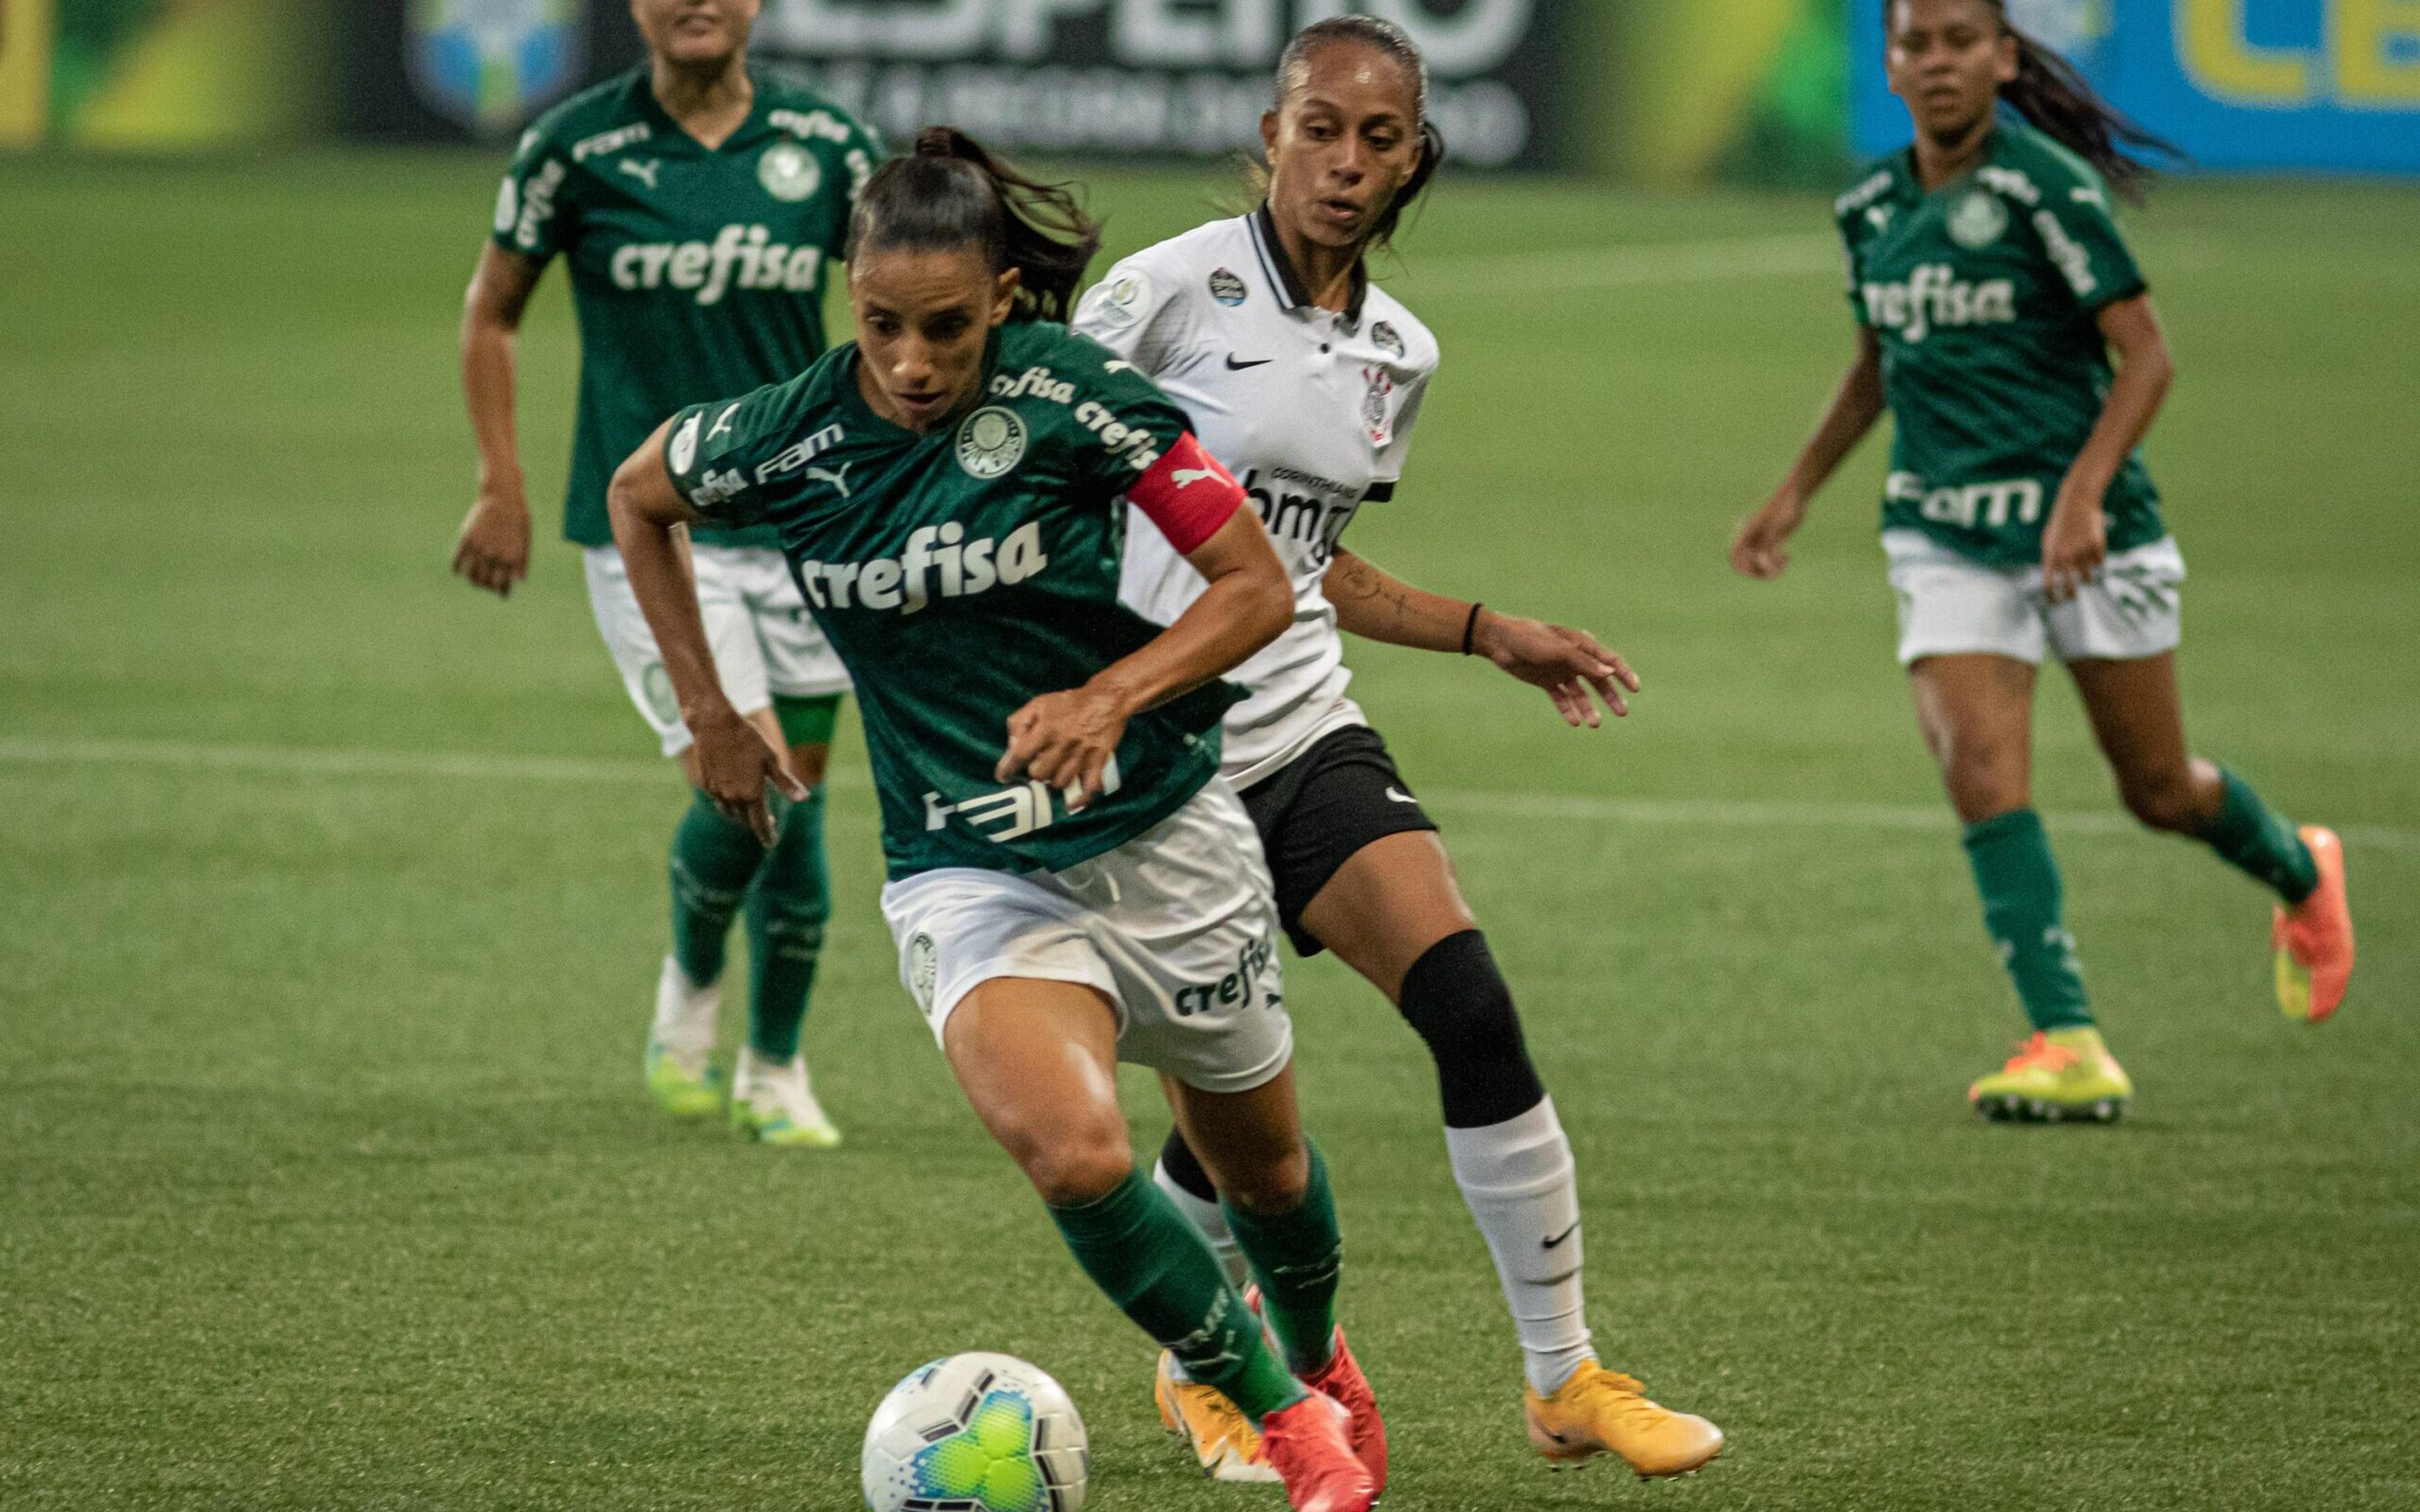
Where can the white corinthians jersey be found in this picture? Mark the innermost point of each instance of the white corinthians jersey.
(1312, 409)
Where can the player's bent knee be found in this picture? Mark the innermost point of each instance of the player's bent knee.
(1457, 1001)
(1271, 1187)
(1071, 1165)
(2166, 802)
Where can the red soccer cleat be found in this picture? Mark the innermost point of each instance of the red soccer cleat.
(1342, 1380)
(1307, 1445)
(2314, 938)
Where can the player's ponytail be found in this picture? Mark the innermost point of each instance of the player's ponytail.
(949, 192)
(2049, 92)
(1384, 37)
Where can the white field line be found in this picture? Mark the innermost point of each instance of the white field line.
(1636, 266)
(1552, 807)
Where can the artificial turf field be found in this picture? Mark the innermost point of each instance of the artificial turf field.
(334, 898)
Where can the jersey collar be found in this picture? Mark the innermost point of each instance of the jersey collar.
(649, 108)
(1291, 296)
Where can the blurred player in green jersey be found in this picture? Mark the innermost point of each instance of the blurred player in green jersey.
(1072, 883)
(1991, 285)
(700, 202)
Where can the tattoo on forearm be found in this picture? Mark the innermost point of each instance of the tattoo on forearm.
(1365, 583)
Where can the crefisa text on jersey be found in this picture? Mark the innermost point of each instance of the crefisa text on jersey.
(760, 262)
(1115, 435)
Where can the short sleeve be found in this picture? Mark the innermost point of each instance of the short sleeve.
(735, 460)
(1125, 424)
(2080, 240)
(534, 215)
(1399, 443)
(1849, 257)
(1137, 313)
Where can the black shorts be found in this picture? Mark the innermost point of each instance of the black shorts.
(1317, 810)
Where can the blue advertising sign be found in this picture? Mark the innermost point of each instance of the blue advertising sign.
(2246, 86)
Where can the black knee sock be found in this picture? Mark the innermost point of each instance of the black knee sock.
(1184, 1168)
(1457, 1000)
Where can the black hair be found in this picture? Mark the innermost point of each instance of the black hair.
(2048, 92)
(1294, 74)
(950, 193)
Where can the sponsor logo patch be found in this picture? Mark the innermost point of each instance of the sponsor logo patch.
(1226, 288)
(1388, 337)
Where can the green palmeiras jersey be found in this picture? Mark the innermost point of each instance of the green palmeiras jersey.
(964, 571)
(694, 273)
(1984, 295)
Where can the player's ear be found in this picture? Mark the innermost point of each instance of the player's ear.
(2007, 58)
(1004, 296)
(1269, 139)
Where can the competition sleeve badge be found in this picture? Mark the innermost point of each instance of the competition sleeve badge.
(789, 171)
(490, 64)
(1121, 301)
(991, 441)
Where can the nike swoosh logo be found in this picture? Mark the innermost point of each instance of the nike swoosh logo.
(1402, 797)
(1559, 1238)
(1235, 366)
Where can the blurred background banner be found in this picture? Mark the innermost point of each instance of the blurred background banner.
(2252, 85)
(160, 74)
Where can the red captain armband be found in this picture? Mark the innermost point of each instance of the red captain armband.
(1188, 495)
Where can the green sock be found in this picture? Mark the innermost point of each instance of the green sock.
(2019, 881)
(713, 858)
(786, 910)
(1156, 1267)
(2260, 842)
(1297, 1256)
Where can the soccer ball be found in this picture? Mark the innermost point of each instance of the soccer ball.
(976, 1433)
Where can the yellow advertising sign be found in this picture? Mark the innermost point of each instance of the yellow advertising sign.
(27, 27)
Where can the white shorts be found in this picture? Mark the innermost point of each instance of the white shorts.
(1177, 927)
(1949, 605)
(764, 640)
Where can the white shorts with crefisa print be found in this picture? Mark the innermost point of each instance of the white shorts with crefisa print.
(1178, 928)
(764, 640)
(1949, 605)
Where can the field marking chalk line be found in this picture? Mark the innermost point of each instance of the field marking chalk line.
(1564, 807)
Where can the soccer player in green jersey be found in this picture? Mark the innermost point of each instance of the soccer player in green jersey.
(1991, 285)
(1071, 881)
(700, 202)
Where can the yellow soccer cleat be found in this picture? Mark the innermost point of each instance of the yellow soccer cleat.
(1222, 1440)
(2314, 938)
(1604, 1412)
(2065, 1075)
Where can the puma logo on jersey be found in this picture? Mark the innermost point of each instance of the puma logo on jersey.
(839, 480)
(741, 256)
(1187, 477)
(938, 559)
(644, 172)
(1933, 297)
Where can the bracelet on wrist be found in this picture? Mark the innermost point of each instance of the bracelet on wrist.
(1470, 627)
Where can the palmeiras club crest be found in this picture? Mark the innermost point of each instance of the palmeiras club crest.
(492, 63)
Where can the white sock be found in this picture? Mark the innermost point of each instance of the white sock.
(1518, 1177)
(1212, 1220)
(686, 1015)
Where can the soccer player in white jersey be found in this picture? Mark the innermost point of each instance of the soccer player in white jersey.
(1304, 380)
(699, 202)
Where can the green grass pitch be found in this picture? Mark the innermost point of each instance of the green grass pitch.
(333, 902)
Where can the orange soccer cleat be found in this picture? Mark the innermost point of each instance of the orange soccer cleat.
(2314, 938)
(1605, 1411)
(1342, 1379)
